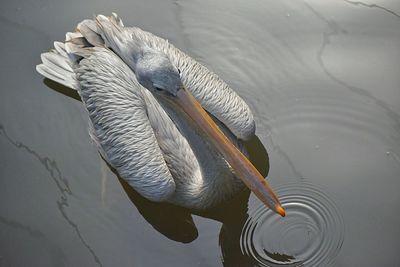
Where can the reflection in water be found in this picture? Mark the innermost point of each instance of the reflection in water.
(372, 6)
(312, 232)
(173, 222)
(335, 29)
(61, 183)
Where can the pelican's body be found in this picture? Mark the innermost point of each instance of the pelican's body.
(149, 139)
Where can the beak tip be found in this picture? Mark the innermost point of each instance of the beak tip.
(280, 211)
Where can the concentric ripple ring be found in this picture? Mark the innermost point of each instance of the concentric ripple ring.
(311, 234)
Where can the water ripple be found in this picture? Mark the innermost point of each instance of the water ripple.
(311, 234)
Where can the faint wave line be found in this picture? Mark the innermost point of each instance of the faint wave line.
(286, 157)
(179, 19)
(358, 3)
(289, 161)
(394, 156)
(20, 226)
(55, 252)
(61, 183)
(27, 27)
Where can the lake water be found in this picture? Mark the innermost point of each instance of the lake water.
(323, 81)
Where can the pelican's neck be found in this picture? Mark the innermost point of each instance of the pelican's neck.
(211, 179)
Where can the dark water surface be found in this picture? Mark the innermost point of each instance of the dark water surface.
(323, 80)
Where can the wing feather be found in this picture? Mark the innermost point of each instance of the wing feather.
(119, 123)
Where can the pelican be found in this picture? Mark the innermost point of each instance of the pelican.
(170, 127)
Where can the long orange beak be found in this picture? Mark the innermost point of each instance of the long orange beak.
(240, 164)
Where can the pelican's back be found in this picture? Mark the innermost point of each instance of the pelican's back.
(212, 92)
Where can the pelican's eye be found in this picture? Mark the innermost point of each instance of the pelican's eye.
(158, 89)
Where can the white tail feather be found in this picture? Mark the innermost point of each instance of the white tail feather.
(56, 66)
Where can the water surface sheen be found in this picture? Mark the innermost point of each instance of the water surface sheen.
(322, 78)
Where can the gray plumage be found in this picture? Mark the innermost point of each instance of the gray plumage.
(152, 145)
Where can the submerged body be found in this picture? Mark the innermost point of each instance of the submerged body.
(132, 83)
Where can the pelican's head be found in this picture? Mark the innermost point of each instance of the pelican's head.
(155, 71)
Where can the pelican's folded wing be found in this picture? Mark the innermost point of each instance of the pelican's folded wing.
(119, 122)
(211, 91)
